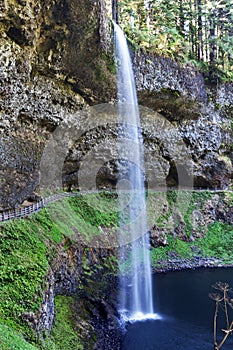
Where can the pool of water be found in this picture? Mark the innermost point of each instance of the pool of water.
(182, 300)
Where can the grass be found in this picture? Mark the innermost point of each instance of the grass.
(64, 334)
(10, 340)
(217, 238)
(218, 242)
(28, 247)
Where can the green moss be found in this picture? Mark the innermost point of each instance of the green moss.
(64, 334)
(28, 247)
(171, 196)
(94, 211)
(218, 242)
(24, 265)
(10, 340)
(172, 206)
(196, 201)
(105, 66)
(159, 255)
(181, 249)
(218, 237)
(171, 93)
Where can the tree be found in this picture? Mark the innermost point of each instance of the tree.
(115, 10)
(196, 30)
(200, 31)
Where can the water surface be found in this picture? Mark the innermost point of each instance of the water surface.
(182, 299)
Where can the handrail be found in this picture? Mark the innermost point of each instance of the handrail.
(33, 208)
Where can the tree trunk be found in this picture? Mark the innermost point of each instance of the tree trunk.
(181, 18)
(115, 16)
(200, 31)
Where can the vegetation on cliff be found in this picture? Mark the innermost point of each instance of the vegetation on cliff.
(197, 31)
(204, 231)
(30, 247)
(47, 72)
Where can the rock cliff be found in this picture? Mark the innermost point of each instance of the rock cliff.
(56, 59)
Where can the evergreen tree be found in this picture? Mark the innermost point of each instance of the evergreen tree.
(198, 30)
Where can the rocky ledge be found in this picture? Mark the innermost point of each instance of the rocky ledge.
(175, 264)
(57, 59)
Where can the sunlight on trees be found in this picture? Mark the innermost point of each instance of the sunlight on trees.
(191, 31)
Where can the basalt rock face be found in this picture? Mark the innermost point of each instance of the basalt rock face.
(200, 113)
(176, 91)
(86, 275)
(92, 161)
(183, 154)
(56, 58)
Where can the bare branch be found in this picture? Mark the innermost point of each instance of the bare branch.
(223, 301)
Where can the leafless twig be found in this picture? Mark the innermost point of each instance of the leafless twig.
(224, 300)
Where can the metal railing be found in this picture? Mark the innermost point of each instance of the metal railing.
(25, 211)
(21, 211)
(33, 208)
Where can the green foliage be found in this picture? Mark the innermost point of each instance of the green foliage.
(194, 32)
(196, 201)
(64, 334)
(159, 254)
(217, 237)
(97, 210)
(23, 266)
(218, 242)
(28, 247)
(182, 248)
(10, 340)
(171, 196)
(181, 204)
(176, 247)
(85, 214)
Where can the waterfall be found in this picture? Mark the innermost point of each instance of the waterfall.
(135, 269)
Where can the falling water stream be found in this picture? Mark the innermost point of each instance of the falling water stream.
(136, 302)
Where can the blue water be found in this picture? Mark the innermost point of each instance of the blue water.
(182, 300)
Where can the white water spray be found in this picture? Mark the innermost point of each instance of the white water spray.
(136, 302)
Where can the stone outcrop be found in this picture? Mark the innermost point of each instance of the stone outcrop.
(200, 113)
(174, 90)
(56, 58)
(87, 275)
(188, 218)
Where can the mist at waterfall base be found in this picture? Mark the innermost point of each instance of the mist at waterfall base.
(182, 299)
(136, 303)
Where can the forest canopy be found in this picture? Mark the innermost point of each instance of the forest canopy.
(196, 31)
